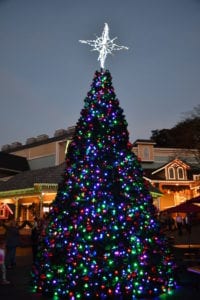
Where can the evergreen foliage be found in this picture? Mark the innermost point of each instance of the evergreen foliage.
(185, 134)
(103, 239)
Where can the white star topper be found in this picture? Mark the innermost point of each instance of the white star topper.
(104, 45)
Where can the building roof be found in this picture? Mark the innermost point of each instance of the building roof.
(177, 161)
(12, 164)
(27, 179)
(155, 171)
(50, 175)
(142, 141)
(40, 140)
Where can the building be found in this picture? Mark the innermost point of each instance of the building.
(30, 191)
(11, 165)
(173, 174)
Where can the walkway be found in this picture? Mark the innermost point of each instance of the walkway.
(189, 283)
(20, 278)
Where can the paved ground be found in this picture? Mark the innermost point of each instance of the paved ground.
(19, 277)
(186, 250)
(186, 238)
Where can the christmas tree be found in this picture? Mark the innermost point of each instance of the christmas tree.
(103, 239)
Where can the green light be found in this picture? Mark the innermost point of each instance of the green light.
(110, 262)
(102, 236)
(85, 271)
(61, 270)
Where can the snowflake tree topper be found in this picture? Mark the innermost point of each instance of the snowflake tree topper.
(104, 45)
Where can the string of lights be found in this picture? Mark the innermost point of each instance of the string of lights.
(104, 45)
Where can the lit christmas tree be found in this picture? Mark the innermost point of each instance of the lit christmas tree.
(103, 239)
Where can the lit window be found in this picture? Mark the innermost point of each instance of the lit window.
(45, 209)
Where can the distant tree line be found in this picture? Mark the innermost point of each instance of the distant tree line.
(185, 134)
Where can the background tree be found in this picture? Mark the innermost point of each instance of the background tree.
(103, 239)
(185, 134)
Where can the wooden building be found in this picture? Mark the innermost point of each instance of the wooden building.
(173, 174)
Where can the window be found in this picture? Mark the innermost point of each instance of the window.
(146, 154)
(176, 172)
(171, 173)
(196, 177)
(180, 173)
(46, 209)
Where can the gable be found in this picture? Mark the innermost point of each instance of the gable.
(174, 170)
(5, 211)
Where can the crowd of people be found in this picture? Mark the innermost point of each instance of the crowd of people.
(11, 240)
(37, 230)
(8, 246)
(178, 222)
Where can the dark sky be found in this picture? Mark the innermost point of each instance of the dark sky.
(45, 73)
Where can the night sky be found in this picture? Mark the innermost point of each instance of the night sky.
(45, 73)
